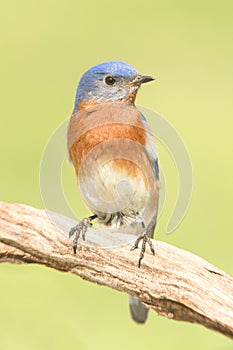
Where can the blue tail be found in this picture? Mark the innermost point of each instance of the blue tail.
(138, 311)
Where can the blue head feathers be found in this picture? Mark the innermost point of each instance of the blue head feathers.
(109, 81)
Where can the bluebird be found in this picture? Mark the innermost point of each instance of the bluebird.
(114, 156)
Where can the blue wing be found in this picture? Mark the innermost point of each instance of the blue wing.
(150, 149)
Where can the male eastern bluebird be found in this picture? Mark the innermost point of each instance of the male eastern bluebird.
(112, 150)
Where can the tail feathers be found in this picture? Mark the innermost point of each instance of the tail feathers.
(138, 311)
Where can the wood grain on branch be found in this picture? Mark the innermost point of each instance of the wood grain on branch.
(174, 283)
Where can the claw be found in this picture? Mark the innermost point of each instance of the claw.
(145, 239)
(80, 229)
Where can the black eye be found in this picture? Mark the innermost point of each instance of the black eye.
(109, 80)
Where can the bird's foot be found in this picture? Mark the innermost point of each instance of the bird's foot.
(80, 229)
(143, 236)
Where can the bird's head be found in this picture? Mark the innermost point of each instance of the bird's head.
(109, 82)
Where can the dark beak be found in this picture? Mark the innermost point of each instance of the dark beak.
(144, 79)
(140, 79)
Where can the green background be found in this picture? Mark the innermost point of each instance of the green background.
(46, 46)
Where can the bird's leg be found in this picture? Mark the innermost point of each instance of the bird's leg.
(144, 237)
(81, 229)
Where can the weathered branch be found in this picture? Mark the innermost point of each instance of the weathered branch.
(175, 283)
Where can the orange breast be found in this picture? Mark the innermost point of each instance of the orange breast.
(100, 124)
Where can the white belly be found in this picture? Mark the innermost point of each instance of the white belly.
(120, 191)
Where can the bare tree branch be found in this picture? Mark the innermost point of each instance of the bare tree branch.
(174, 283)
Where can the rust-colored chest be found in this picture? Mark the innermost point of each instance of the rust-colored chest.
(100, 124)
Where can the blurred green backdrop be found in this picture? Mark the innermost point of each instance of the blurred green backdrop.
(46, 46)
